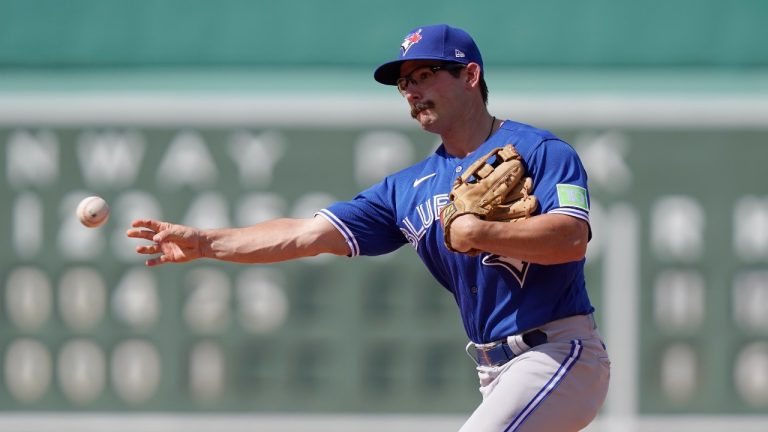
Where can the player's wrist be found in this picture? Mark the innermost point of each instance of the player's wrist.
(464, 231)
(205, 244)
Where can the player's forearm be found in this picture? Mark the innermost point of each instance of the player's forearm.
(545, 239)
(272, 241)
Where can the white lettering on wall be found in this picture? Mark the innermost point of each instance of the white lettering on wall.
(378, 154)
(256, 156)
(110, 158)
(751, 374)
(27, 225)
(603, 155)
(187, 162)
(750, 228)
(308, 204)
(679, 300)
(130, 205)
(679, 372)
(28, 298)
(32, 158)
(208, 298)
(208, 210)
(135, 300)
(75, 241)
(207, 371)
(261, 301)
(750, 300)
(259, 207)
(677, 228)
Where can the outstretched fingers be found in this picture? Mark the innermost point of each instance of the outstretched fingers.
(151, 224)
(162, 259)
(148, 229)
(144, 229)
(149, 250)
(164, 235)
(140, 233)
(171, 243)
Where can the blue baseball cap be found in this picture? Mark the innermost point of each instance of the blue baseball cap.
(434, 42)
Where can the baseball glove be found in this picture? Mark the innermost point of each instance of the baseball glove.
(493, 188)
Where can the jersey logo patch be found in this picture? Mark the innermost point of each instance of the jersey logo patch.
(518, 268)
(419, 180)
(572, 196)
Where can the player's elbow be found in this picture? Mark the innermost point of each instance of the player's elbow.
(319, 236)
(575, 246)
(576, 252)
(570, 246)
(563, 254)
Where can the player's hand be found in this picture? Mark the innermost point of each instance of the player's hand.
(174, 243)
(462, 230)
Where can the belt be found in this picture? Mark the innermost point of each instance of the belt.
(499, 352)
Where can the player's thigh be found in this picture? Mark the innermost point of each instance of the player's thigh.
(559, 387)
(577, 399)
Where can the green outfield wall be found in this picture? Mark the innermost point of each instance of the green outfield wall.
(141, 33)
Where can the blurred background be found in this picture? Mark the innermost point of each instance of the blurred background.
(230, 112)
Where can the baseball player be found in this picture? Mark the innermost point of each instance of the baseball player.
(517, 276)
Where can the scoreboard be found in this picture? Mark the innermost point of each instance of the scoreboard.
(677, 269)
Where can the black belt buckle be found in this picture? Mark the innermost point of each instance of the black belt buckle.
(493, 354)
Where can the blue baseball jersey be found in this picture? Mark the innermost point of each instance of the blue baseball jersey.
(497, 296)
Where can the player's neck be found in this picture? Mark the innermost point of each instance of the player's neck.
(467, 135)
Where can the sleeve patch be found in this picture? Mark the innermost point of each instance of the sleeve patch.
(572, 196)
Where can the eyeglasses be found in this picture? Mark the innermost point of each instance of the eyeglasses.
(423, 75)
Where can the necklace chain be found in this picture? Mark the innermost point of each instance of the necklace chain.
(490, 132)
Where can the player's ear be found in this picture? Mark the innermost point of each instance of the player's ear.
(473, 74)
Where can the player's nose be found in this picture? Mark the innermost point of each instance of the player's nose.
(412, 95)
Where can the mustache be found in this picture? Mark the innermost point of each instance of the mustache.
(421, 106)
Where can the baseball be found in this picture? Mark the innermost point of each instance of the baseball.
(93, 211)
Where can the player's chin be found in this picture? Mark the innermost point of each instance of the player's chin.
(423, 122)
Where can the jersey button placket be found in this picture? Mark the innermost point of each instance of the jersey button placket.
(473, 290)
(458, 169)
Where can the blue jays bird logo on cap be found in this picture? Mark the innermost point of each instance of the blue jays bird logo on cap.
(412, 38)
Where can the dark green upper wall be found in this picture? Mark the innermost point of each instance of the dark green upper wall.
(86, 33)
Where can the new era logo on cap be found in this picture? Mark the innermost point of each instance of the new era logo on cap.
(434, 42)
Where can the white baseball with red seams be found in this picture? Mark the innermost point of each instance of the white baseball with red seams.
(93, 211)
